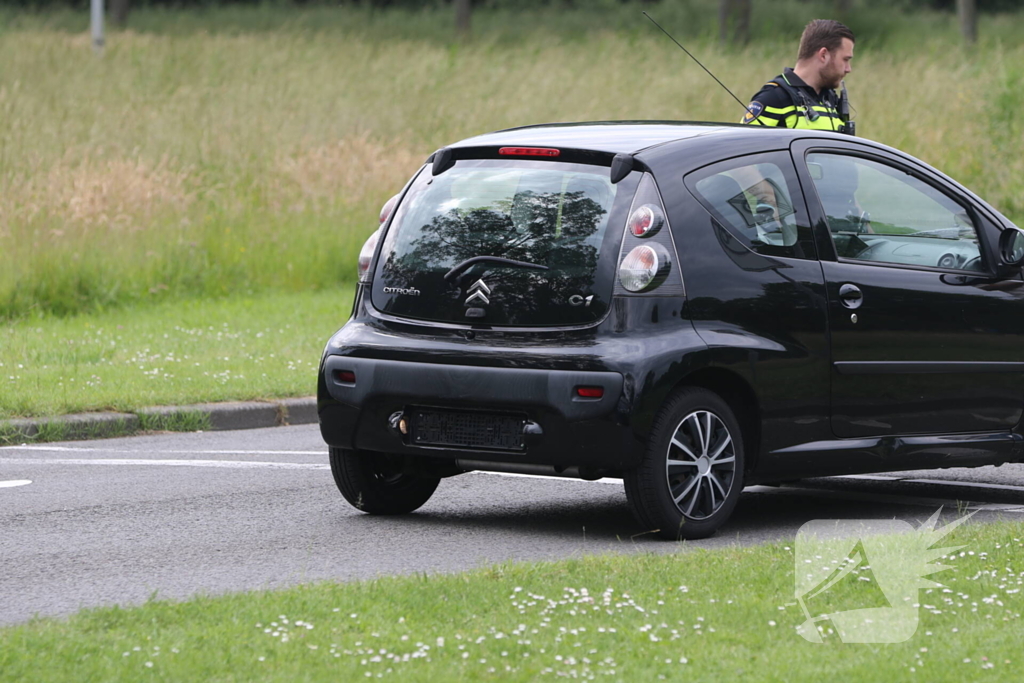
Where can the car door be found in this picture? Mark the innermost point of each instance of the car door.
(754, 288)
(925, 336)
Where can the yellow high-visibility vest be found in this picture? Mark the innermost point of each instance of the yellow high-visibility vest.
(797, 115)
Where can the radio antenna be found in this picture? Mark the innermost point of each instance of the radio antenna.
(695, 59)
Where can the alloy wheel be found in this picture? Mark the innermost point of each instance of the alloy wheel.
(701, 464)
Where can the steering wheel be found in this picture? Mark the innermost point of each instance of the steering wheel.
(949, 260)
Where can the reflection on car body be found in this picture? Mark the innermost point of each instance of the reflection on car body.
(692, 308)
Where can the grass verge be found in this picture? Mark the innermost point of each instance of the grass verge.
(725, 614)
(252, 147)
(175, 421)
(174, 353)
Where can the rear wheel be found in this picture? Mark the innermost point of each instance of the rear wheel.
(375, 483)
(692, 473)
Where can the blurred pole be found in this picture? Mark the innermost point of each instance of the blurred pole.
(97, 25)
(967, 11)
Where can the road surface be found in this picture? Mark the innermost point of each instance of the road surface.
(117, 521)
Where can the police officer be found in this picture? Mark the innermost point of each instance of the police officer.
(804, 96)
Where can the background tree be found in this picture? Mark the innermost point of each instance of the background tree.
(967, 12)
(734, 18)
(119, 12)
(463, 10)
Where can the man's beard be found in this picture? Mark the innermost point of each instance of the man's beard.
(832, 80)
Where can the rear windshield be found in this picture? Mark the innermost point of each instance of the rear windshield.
(551, 217)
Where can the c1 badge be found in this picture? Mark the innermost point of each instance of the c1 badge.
(753, 111)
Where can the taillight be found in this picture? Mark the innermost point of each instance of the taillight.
(388, 207)
(366, 255)
(648, 252)
(645, 220)
(639, 268)
(590, 392)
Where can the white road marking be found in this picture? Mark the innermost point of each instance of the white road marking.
(966, 484)
(226, 464)
(15, 482)
(604, 480)
(878, 498)
(868, 477)
(954, 483)
(236, 464)
(73, 449)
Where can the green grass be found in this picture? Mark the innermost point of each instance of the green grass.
(725, 614)
(172, 353)
(250, 148)
(176, 421)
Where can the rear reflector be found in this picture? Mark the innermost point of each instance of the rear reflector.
(345, 376)
(529, 152)
(590, 392)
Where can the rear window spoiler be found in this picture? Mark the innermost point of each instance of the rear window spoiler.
(621, 165)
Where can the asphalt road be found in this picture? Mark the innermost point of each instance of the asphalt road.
(117, 521)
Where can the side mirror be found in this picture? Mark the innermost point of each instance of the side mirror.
(1011, 247)
(816, 170)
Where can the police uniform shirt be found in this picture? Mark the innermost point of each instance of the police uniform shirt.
(774, 105)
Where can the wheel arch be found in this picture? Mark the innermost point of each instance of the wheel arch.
(741, 398)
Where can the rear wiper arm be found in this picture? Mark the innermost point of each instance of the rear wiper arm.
(465, 265)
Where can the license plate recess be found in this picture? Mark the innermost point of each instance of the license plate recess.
(467, 429)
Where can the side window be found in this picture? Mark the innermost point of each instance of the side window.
(753, 197)
(879, 213)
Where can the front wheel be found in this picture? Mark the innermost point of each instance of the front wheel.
(692, 474)
(375, 483)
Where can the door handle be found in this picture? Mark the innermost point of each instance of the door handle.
(851, 296)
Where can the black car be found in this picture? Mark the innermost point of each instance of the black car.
(693, 308)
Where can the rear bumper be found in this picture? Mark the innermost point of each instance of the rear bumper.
(573, 431)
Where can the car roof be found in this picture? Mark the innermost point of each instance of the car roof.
(615, 137)
(705, 141)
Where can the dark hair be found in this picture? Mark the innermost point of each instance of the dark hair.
(823, 33)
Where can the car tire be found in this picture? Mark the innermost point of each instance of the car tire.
(687, 485)
(374, 482)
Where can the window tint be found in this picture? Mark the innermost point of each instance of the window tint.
(550, 213)
(877, 212)
(753, 198)
(561, 222)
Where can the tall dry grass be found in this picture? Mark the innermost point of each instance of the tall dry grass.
(197, 163)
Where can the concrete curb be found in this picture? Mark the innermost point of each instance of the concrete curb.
(211, 416)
